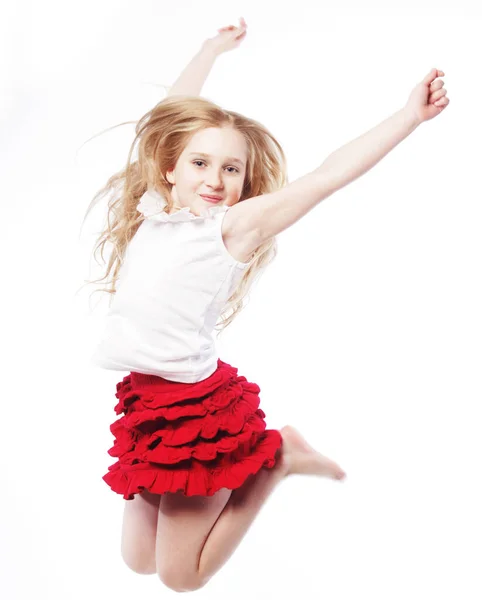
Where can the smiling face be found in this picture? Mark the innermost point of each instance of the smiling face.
(212, 163)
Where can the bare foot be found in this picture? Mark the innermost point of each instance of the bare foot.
(299, 457)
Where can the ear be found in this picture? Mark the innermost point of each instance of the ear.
(170, 177)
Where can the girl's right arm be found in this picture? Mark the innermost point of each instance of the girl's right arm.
(190, 82)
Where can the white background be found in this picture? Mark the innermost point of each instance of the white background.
(365, 333)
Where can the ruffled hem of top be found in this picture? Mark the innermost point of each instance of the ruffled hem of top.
(195, 438)
(152, 205)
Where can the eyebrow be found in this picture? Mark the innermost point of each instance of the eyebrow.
(228, 158)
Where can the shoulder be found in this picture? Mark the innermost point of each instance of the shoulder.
(239, 237)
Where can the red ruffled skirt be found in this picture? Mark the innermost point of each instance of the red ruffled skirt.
(191, 437)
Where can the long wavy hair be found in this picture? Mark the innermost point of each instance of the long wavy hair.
(162, 134)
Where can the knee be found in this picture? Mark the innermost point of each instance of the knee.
(176, 584)
(139, 565)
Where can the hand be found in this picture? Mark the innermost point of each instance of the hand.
(227, 39)
(428, 99)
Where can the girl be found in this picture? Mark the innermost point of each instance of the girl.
(194, 219)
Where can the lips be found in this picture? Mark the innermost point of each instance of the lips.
(214, 199)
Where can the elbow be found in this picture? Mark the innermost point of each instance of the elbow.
(328, 180)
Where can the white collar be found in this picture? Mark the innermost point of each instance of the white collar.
(152, 204)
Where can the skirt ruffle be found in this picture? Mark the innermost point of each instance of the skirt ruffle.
(191, 437)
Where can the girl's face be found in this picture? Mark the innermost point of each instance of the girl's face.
(213, 163)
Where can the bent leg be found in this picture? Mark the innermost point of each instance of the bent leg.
(196, 535)
(184, 523)
(139, 527)
(295, 456)
(238, 515)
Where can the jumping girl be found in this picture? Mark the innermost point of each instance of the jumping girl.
(193, 220)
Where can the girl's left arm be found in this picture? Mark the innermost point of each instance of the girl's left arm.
(192, 78)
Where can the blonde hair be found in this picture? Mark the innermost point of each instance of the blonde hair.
(163, 133)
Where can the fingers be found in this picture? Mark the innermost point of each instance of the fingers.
(436, 85)
(437, 93)
(438, 97)
(243, 25)
(433, 74)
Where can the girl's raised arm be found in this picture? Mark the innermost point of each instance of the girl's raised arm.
(191, 80)
(262, 217)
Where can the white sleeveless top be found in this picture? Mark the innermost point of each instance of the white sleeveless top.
(173, 284)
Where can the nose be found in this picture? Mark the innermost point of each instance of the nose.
(213, 179)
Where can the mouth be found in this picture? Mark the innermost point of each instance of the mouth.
(213, 200)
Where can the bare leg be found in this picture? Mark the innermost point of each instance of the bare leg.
(139, 532)
(244, 504)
